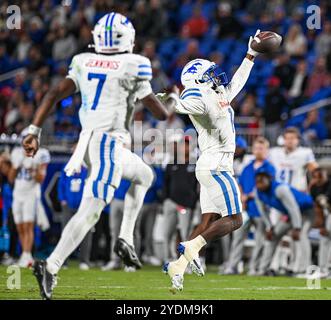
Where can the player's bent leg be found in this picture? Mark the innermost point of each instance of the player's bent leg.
(79, 225)
(219, 191)
(141, 177)
(175, 270)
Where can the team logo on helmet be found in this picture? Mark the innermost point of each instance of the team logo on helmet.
(193, 68)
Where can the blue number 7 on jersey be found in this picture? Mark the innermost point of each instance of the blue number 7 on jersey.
(102, 78)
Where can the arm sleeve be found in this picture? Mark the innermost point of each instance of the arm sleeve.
(264, 214)
(74, 72)
(143, 89)
(285, 195)
(310, 156)
(44, 157)
(190, 105)
(239, 79)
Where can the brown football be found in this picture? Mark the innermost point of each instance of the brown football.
(268, 42)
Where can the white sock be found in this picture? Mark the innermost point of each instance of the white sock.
(197, 243)
(132, 204)
(74, 232)
(178, 266)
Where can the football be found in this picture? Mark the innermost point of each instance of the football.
(267, 42)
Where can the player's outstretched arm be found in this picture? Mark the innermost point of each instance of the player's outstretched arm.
(241, 75)
(64, 89)
(158, 109)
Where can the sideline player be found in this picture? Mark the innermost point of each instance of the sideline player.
(109, 80)
(27, 175)
(206, 99)
(295, 204)
(293, 162)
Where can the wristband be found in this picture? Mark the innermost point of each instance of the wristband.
(34, 130)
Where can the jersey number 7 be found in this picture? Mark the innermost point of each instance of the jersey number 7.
(102, 78)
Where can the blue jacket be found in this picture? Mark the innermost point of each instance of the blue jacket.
(152, 193)
(120, 192)
(304, 200)
(247, 183)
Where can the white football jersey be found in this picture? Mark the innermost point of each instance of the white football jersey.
(24, 182)
(291, 167)
(109, 86)
(213, 118)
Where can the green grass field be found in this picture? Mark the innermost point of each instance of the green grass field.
(150, 283)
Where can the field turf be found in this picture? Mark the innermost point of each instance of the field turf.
(150, 283)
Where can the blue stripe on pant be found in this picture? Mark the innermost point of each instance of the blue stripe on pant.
(234, 190)
(102, 167)
(220, 177)
(111, 169)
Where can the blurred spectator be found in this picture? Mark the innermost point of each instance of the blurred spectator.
(35, 61)
(141, 19)
(298, 82)
(85, 38)
(313, 128)
(275, 106)
(295, 43)
(36, 29)
(158, 20)
(191, 52)
(4, 59)
(323, 40)
(227, 24)
(318, 78)
(64, 46)
(149, 50)
(196, 26)
(284, 70)
(23, 47)
(160, 80)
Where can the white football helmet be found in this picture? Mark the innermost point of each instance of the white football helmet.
(201, 71)
(113, 33)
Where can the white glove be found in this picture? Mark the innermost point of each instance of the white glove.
(250, 50)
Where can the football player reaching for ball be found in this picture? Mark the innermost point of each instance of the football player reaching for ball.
(207, 98)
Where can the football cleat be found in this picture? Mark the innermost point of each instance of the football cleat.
(127, 253)
(192, 258)
(177, 280)
(46, 280)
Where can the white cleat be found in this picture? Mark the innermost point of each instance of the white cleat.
(84, 266)
(192, 257)
(129, 269)
(177, 279)
(196, 267)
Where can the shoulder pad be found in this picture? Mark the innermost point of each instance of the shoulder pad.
(140, 67)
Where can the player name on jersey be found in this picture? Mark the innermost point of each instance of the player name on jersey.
(94, 63)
